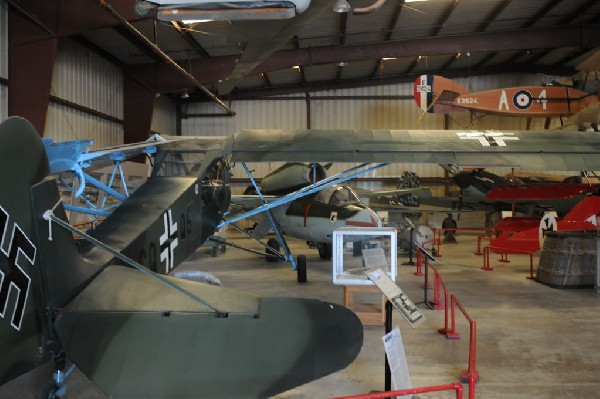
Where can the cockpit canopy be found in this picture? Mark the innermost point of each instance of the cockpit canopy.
(338, 196)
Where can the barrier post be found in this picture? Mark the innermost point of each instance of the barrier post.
(481, 237)
(420, 258)
(452, 334)
(436, 289)
(445, 330)
(486, 259)
(504, 258)
(530, 277)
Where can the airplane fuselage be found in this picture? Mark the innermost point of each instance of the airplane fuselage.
(311, 220)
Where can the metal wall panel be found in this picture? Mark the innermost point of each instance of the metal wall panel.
(85, 78)
(64, 124)
(164, 119)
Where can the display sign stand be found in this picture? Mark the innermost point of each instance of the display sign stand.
(428, 256)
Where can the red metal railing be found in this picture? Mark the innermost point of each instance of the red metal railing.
(470, 375)
(485, 236)
(504, 258)
(455, 386)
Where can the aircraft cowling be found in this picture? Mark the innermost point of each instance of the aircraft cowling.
(216, 196)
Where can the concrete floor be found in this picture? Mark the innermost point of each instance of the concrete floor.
(532, 341)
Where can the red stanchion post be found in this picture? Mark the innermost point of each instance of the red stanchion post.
(486, 259)
(479, 239)
(419, 264)
(445, 330)
(452, 334)
(436, 290)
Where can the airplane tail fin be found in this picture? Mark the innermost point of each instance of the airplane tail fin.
(31, 269)
(47, 267)
(434, 93)
(586, 210)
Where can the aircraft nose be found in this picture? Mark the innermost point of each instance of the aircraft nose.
(462, 180)
(365, 218)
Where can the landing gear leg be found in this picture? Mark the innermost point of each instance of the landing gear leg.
(301, 268)
(58, 387)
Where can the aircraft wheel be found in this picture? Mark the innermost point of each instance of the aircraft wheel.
(301, 268)
(325, 250)
(357, 248)
(214, 251)
(270, 255)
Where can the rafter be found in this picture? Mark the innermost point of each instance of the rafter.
(527, 24)
(440, 23)
(493, 15)
(189, 39)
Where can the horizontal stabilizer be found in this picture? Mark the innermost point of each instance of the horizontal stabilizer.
(179, 349)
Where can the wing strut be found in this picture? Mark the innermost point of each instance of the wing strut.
(50, 217)
(276, 228)
(308, 190)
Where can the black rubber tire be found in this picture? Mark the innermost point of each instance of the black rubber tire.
(357, 248)
(325, 250)
(273, 243)
(301, 268)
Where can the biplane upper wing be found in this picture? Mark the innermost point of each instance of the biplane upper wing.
(531, 150)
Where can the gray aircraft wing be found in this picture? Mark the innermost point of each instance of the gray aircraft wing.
(543, 150)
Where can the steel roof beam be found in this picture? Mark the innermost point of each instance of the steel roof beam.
(527, 24)
(189, 39)
(442, 21)
(493, 15)
(213, 69)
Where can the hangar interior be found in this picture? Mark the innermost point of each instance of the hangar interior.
(76, 71)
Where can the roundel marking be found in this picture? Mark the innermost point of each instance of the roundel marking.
(522, 99)
(548, 223)
(333, 217)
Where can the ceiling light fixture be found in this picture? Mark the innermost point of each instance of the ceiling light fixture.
(195, 21)
(341, 6)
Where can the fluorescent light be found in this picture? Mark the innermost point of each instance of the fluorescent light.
(196, 21)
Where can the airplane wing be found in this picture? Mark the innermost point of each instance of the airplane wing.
(542, 150)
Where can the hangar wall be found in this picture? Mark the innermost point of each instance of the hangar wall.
(84, 78)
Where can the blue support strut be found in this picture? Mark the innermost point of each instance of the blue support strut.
(336, 179)
(276, 229)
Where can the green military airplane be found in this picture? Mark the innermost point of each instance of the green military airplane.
(134, 334)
